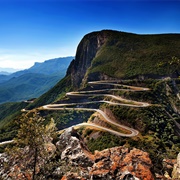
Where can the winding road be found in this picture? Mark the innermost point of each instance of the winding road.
(99, 93)
(6, 142)
(122, 102)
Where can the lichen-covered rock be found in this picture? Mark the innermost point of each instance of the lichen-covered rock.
(3, 160)
(19, 165)
(72, 177)
(113, 163)
(120, 162)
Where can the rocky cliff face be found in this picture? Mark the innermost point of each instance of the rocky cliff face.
(86, 51)
(114, 163)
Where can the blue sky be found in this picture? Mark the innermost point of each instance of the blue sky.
(37, 30)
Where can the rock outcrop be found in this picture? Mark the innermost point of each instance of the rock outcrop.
(114, 163)
(19, 163)
(121, 162)
(73, 150)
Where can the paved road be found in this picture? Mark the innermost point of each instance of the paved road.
(133, 132)
(6, 142)
(118, 98)
(123, 102)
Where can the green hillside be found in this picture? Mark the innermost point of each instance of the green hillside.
(25, 87)
(9, 113)
(55, 93)
(125, 55)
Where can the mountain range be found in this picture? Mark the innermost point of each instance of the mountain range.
(7, 71)
(132, 79)
(32, 82)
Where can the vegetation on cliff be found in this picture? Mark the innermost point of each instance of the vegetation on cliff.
(125, 55)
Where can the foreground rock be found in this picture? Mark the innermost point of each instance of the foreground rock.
(114, 163)
(71, 160)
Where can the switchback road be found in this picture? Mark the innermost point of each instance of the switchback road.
(122, 102)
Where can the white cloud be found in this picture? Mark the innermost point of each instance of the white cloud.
(17, 61)
(23, 60)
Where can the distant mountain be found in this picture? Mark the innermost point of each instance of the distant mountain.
(4, 77)
(4, 73)
(52, 66)
(32, 82)
(8, 70)
(56, 66)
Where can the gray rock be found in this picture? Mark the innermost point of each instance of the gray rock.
(72, 149)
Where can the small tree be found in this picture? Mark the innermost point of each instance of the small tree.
(31, 141)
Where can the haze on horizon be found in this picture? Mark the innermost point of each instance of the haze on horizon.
(36, 30)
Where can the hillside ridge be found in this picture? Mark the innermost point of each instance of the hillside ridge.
(32, 82)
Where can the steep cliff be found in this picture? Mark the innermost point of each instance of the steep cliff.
(86, 52)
